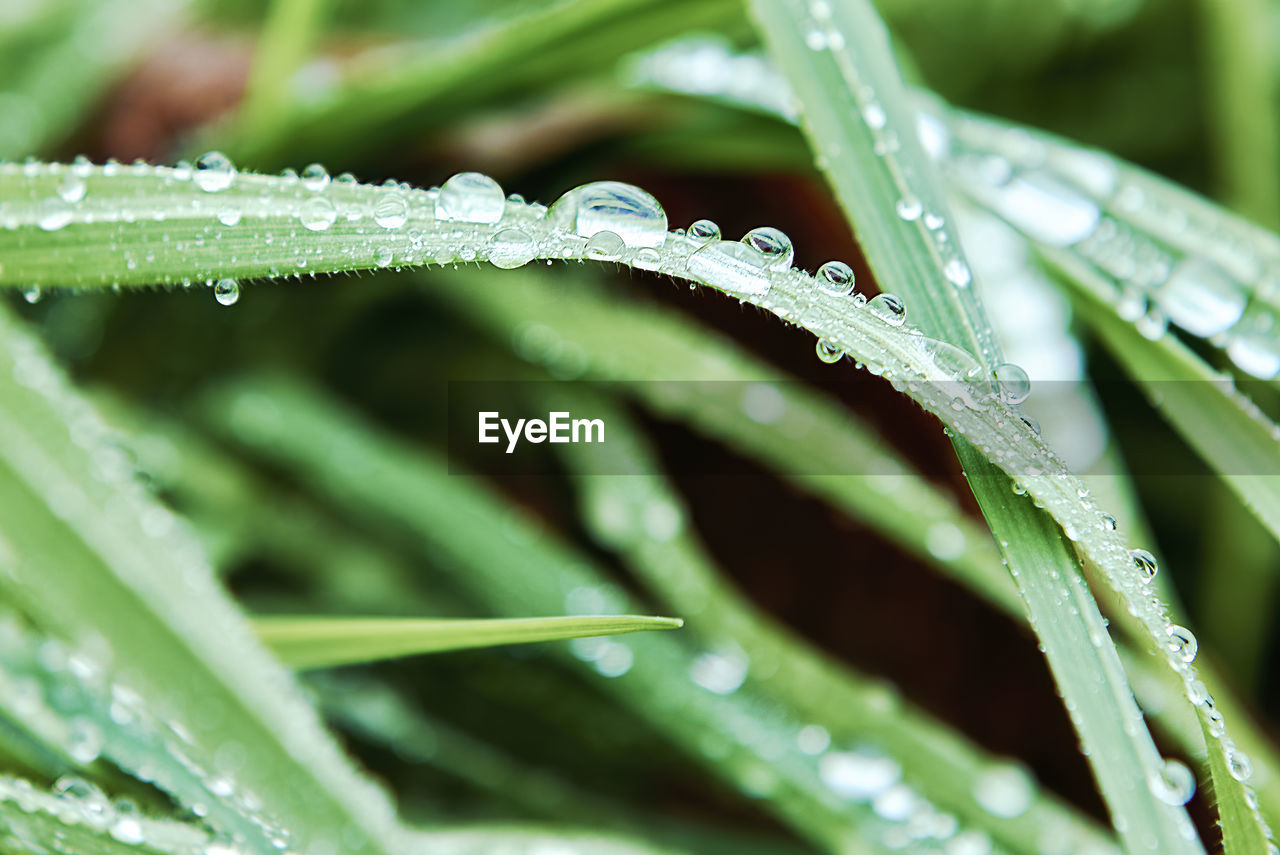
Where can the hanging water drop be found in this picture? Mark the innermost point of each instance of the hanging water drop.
(511, 248)
(774, 246)
(318, 214)
(836, 277)
(315, 177)
(1173, 784)
(888, 308)
(1146, 564)
(828, 352)
(32, 294)
(470, 197)
(605, 246)
(623, 209)
(1013, 382)
(214, 172)
(391, 211)
(226, 292)
(704, 231)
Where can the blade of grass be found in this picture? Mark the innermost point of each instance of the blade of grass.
(852, 101)
(287, 36)
(324, 642)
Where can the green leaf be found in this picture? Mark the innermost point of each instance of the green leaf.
(325, 642)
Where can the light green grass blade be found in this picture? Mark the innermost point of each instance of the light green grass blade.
(863, 130)
(99, 566)
(287, 36)
(325, 642)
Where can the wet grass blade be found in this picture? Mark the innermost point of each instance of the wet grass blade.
(325, 642)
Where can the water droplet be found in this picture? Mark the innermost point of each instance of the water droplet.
(773, 245)
(734, 266)
(471, 197)
(888, 308)
(836, 277)
(318, 214)
(873, 114)
(84, 743)
(53, 214)
(1173, 784)
(1201, 298)
(1239, 765)
(32, 294)
(957, 273)
(1014, 384)
(1182, 643)
(1004, 791)
(230, 215)
(214, 172)
(391, 211)
(704, 231)
(315, 177)
(909, 208)
(511, 248)
(828, 353)
(605, 246)
(226, 292)
(128, 830)
(721, 672)
(383, 256)
(813, 739)
(1107, 522)
(72, 188)
(1146, 564)
(858, 775)
(1047, 210)
(1032, 424)
(623, 209)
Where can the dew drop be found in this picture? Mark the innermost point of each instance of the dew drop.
(957, 273)
(1239, 765)
(72, 188)
(836, 277)
(1201, 298)
(1173, 784)
(1146, 564)
(1014, 384)
(214, 172)
(828, 353)
(626, 210)
(605, 246)
(391, 211)
(84, 742)
(315, 177)
(1107, 522)
(704, 231)
(318, 214)
(1047, 210)
(511, 248)
(909, 208)
(383, 256)
(1003, 791)
(471, 197)
(1182, 643)
(873, 114)
(226, 292)
(53, 214)
(858, 775)
(32, 294)
(731, 265)
(774, 246)
(230, 215)
(888, 308)
(127, 830)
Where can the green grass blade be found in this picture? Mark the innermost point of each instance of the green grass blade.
(324, 642)
(99, 566)
(290, 28)
(856, 112)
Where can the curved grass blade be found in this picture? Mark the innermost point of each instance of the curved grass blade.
(325, 642)
(866, 137)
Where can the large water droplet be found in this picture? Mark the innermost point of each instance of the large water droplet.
(605, 246)
(888, 308)
(734, 266)
(1182, 643)
(1146, 564)
(858, 775)
(318, 214)
(315, 177)
(226, 292)
(704, 231)
(1047, 210)
(773, 245)
(1201, 298)
(836, 277)
(471, 197)
(391, 211)
(214, 172)
(53, 214)
(623, 209)
(1239, 766)
(1254, 343)
(1173, 783)
(1014, 384)
(511, 248)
